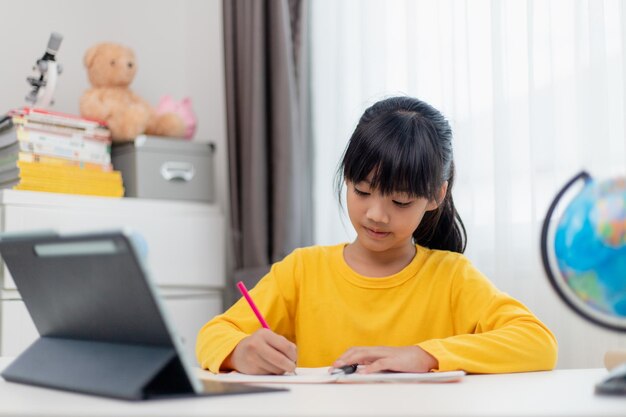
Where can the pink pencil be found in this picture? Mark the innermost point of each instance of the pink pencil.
(257, 313)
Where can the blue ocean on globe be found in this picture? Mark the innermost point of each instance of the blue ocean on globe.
(590, 246)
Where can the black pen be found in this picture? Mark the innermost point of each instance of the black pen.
(346, 369)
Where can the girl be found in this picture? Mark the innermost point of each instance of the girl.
(401, 297)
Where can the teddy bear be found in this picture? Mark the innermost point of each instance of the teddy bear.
(111, 68)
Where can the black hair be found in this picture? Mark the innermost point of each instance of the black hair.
(407, 144)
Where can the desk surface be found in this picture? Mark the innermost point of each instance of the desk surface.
(557, 393)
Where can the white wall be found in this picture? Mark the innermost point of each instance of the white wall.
(178, 44)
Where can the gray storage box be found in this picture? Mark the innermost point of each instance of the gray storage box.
(166, 168)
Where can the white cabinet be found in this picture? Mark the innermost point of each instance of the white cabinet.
(18, 330)
(189, 311)
(185, 256)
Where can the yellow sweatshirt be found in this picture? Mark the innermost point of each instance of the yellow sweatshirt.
(439, 302)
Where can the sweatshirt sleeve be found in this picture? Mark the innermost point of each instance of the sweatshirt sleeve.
(274, 296)
(495, 332)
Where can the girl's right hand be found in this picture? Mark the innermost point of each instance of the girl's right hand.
(263, 352)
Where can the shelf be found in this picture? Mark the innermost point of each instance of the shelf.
(15, 197)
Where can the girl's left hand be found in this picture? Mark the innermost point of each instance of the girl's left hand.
(386, 358)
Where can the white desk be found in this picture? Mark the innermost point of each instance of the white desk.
(557, 393)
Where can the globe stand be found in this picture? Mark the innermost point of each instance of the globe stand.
(615, 382)
(614, 358)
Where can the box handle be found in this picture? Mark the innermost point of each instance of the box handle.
(177, 171)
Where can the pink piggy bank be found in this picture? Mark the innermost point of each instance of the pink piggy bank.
(183, 109)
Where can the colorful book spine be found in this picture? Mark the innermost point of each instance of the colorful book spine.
(74, 142)
(52, 113)
(56, 152)
(65, 152)
(53, 161)
(100, 134)
(54, 117)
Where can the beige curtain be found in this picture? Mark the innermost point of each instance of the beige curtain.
(268, 132)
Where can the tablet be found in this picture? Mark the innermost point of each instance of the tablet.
(103, 327)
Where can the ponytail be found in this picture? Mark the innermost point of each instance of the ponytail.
(442, 228)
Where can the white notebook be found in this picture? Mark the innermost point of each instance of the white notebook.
(323, 376)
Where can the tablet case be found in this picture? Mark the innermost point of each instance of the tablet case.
(102, 328)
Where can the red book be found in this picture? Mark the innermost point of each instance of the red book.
(43, 114)
(41, 117)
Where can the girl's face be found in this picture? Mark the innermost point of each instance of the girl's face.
(384, 222)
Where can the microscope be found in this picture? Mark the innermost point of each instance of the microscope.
(47, 72)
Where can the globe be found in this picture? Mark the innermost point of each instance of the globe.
(584, 251)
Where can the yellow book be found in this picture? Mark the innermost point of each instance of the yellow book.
(77, 180)
(86, 182)
(66, 182)
(31, 168)
(72, 189)
(69, 181)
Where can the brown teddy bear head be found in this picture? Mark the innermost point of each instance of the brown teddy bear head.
(110, 65)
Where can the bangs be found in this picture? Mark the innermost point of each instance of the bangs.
(399, 156)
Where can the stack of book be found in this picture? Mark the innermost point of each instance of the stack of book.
(55, 152)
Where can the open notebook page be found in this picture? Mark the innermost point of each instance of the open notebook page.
(322, 376)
